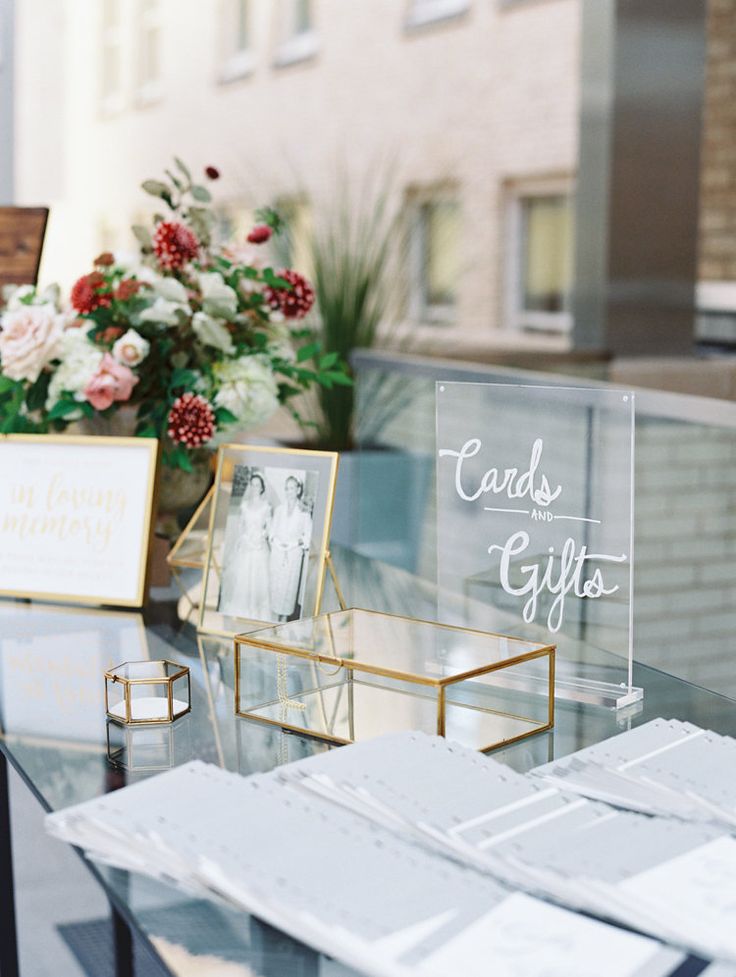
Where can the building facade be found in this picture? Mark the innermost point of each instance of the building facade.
(469, 107)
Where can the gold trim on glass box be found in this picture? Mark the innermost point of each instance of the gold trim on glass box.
(147, 535)
(225, 467)
(164, 680)
(440, 684)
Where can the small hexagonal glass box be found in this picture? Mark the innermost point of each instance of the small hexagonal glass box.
(147, 692)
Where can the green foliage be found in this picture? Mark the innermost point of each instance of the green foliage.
(354, 253)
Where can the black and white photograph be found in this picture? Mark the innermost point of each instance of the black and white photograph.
(268, 540)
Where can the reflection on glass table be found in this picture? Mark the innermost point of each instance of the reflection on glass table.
(54, 733)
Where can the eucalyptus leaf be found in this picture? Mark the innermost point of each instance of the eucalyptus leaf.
(200, 193)
(156, 188)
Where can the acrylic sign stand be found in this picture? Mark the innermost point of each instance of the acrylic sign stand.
(535, 525)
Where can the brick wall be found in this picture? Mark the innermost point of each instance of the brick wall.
(718, 173)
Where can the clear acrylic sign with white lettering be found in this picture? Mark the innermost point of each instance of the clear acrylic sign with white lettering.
(534, 520)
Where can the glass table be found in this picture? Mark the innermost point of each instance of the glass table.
(54, 733)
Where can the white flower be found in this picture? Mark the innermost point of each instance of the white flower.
(212, 332)
(80, 360)
(279, 341)
(131, 349)
(218, 299)
(164, 312)
(170, 289)
(248, 389)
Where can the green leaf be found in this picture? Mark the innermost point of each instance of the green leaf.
(156, 188)
(62, 408)
(37, 392)
(200, 193)
(307, 352)
(182, 168)
(341, 379)
(224, 416)
(177, 183)
(182, 378)
(328, 360)
(143, 236)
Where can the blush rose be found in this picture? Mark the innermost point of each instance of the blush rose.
(112, 382)
(29, 339)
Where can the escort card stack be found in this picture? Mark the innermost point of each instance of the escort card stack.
(409, 854)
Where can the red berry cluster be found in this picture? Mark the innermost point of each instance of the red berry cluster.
(86, 295)
(294, 302)
(191, 420)
(174, 244)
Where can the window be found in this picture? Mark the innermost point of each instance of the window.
(111, 93)
(237, 39)
(298, 40)
(435, 251)
(422, 12)
(149, 50)
(540, 268)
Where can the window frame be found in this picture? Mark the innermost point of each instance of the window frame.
(148, 91)
(422, 13)
(421, 311)
(111, 39)
(516, 318)
(295, 46)
(235, 63)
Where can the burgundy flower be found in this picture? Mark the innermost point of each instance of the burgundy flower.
(127, 288)
(293, 302)
(260, 234)
(212, 172)
(86, 295)
(191, 420)
(105, 259)
(174, 244)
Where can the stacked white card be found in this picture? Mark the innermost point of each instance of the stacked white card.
(665, 767)
(401, 856)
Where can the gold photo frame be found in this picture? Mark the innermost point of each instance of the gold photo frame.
(87, 505)
(268, 542)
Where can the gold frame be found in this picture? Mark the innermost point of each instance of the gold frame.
(440, 684)
(168, 681)
(323, 558)
(153, 446)
(172, 558)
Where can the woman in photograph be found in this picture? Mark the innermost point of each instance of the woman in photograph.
(245, 591)
(291, 531)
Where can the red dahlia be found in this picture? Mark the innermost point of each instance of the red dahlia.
(191, 420)
(260, 234)
(174, 244)
(86, 296)
(294, 302)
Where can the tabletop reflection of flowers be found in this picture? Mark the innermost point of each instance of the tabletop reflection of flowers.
(199, 338)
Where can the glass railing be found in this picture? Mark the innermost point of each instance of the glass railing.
(685, 513)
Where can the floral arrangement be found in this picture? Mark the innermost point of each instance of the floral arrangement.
(199, 338)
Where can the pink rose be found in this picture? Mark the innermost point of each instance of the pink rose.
(112, 382)
(29, 339)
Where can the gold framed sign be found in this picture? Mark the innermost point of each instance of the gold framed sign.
(268, 536)
(76, 518)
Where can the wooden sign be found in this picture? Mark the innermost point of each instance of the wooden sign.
(76, 518)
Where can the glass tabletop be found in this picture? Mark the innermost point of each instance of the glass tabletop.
(54, 732)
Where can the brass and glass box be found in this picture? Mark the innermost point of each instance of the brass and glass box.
(147, 692)
(354, 674)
